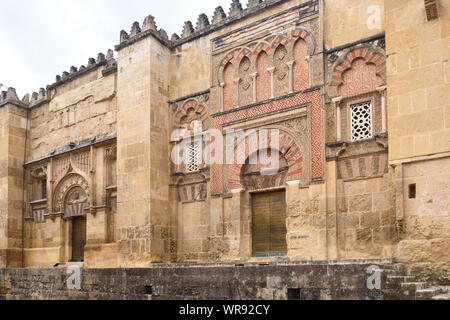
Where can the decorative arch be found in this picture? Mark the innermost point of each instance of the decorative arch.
(192, 187)
(229, 88)
(306, 35)
(287, 148)
(357, 58)
(66, 190)
(301, 67)
(263, 89)
(280, 39)
(267, 45)
(252, 179)
(281, 57)
(191, 111)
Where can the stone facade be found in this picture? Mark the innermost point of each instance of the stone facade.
(360, 105)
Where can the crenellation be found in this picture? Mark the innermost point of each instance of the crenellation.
(124, 36)
(100, 58)
(235, 9)
(202, 23)
(42, 94)
(164, 34)
(254, 3)
(34, 97)
(188, 30)
(91, 62)
(12, 95)
(135, 29)
(26, 99)
(149, 23)
(219, 16)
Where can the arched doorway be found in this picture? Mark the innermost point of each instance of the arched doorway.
(75, 203)
(268, 198)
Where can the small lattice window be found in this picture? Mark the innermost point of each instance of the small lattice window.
(361, 118)
(193, 157)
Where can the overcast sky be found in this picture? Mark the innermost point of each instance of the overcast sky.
(42, 38)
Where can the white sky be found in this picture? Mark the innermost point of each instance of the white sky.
(42, 38)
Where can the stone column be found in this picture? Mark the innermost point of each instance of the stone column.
(337, 106)
(272, 82)
(382, 91)
(290, 65)
(238, 98)
(236, 219)
(254, 75)
(221, 85)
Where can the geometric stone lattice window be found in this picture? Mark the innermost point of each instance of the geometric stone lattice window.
(193, 157)
(361, 117)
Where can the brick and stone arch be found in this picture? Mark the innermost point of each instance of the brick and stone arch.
(229, 87)
(360, 70)
(190, 111)
(368, 166)
(252, 179)
(192, 187)
(290, 152)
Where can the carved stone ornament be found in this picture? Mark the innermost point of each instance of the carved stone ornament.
(75, 203)
(72, 191)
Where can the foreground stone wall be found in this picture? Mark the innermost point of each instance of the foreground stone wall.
(321, 281)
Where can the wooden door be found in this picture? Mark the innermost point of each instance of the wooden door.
(269, 223)
(78, 238)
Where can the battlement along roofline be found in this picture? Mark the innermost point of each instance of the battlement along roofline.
(204, 27)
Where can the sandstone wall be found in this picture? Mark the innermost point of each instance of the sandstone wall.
(143, 167)
(80, 109)
(349, 21)
(418, 96)
(13, 130)
(418, 79)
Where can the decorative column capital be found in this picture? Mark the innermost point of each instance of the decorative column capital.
(221, 84)
(290, 64)
(238, 191)
(271, 70)
(237, 80)
(382, 89)
(254, 75)
(336, 100)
